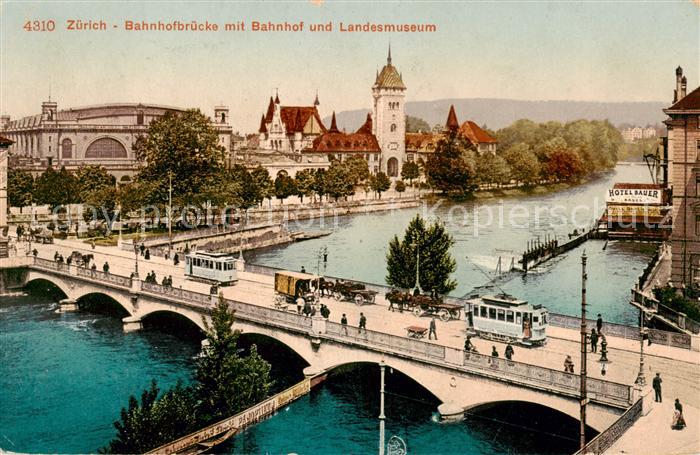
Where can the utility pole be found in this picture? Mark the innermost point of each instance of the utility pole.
(641, 379)
(170, 213)
(382, 417)
(584, 345)
(417, 245)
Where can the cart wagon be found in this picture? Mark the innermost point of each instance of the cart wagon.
(289, 286)
(349, 290)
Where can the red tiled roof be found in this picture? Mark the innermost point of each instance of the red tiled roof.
(366, 128)
(421, 141)
(263, 127)
(5, 142)
(333, 141)
(452, 123)
(475, 134)
(270, 111)
(691, 101)
(296, 117)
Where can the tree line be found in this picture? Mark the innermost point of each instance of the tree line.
(530, 153)
(184, 151)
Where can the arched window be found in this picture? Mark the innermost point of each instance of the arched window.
(67, 148)
(106, 147)
(393, 127)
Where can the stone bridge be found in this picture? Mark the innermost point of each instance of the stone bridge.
(461, 381)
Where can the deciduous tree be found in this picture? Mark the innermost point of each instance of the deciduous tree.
(20, 188)
(380, 183)
(304, 180)
(410, 171)
(450, 168)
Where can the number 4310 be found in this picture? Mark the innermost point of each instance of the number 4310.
(40, 26)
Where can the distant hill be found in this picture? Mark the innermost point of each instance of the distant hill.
(499, 113)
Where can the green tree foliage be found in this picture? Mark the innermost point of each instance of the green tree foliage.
(410, 171)
(247, 192)
(184, 145)
(264, 186)
(319, 185)
(304, 181)
(436, 263)
(416, 125)
(595, 142)
(669, 297)
(227, 382)
(379, 183)
(399, 186)
(492, 169)
(55, 188)
(524, 165)
(285, 186)
(338, 181)
(154, 421)
(358, 169)
(92, 178)
(451, 168)
(20, 188)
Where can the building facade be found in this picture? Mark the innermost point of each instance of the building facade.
(289, 129)
(683, 145)
(99, 135)
(389, 118)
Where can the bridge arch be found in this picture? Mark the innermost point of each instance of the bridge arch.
(193, 318)
(102, 302)
(49, 284)
(172, 321)
(298, 345)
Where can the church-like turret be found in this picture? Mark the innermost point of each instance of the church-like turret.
(389, 118)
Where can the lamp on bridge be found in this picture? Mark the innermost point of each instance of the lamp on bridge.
(603, 360)
(417, 289)
(136, 256)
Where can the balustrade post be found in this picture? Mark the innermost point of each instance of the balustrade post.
(135, 284)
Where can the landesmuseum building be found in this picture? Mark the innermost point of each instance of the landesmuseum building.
(102, 135)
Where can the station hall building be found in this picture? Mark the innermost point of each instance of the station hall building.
(101, 135)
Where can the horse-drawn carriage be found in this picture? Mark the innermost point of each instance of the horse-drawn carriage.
(289, 286)
(350, 290)
(422, 305)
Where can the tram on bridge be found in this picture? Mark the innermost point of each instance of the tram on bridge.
(216, 268)
(504, 318)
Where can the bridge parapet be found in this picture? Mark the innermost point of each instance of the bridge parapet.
(527, 375)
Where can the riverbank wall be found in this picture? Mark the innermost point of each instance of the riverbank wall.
(13, 274)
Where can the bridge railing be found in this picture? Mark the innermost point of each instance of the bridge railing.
(116, 280)
(601, 443)
(400, 345)
(260, 313)
(600, 390)
(194, 298)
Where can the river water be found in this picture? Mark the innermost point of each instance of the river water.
(65, 377)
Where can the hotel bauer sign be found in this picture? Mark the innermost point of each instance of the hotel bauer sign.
(633, 196)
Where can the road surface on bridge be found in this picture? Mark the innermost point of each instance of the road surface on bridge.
(680, 368)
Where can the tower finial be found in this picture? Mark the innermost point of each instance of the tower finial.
(316, 101)
(49, 91)
(277, 96)
(388, 59)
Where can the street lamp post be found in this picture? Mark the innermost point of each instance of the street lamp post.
(584, 345)
(170, 213)
(382, 417)
(641, 379)
(417, 287)
(136, 264)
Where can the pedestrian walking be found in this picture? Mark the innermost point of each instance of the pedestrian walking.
(300, 304)
(433, 329)
(142, 248)
(509, 351)
(678, 422)
(494, 352)
(363, 324)
(656, 385)
(594, 341)
(176, 259)
(303, 269)
(344, 323)
(468, 346)
(568, 365)
(325, 311)
(170, 280)
(599, 324)
(147, 254)
(92, 244)
(35, 252)
(105, 268)
(307, 309)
